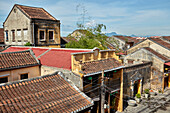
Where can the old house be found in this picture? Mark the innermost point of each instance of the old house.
(31, 24)
(157, 51)
(53, 59)
(123, 42)
(88, 67)
(136, 79)
(50, 93)
(18, 65)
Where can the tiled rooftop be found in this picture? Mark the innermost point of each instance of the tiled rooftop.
(1, 35)
(161, 42)
(157, 54)
(97, 66)
(11, 60)
(60, 58)
(50, 93)
(127, 38)
(35, 12)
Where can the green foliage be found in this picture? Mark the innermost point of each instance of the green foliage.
(138, 95)
(146, 91)
(28, 44)
(90, 39)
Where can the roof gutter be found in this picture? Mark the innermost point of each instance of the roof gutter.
(120, 67)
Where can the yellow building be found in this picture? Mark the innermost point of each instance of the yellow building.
(18, 65)
(89, 66)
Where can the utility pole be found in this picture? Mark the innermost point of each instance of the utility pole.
(102, 93)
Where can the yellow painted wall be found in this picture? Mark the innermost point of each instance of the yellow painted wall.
(90, 56)
(15, 74)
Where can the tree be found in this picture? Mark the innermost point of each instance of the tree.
(93, 37)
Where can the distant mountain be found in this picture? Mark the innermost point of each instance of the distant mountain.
(111, 34)
(133, 35)
(115, 34)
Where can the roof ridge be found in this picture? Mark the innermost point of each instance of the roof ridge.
(44, 53)
(28, 50)
(27, 6)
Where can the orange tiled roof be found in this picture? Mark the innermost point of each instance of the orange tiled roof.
(161, 42)
(11, 60)
(35, 12)
(97, 66)
(50, 93)
(1, 35)
(157, 54)
(127, 38)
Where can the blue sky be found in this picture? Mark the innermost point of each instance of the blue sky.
(139, 17)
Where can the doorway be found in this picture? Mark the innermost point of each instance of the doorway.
(136, 87)
(166, 80)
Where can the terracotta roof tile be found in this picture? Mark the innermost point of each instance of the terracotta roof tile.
(1, 35)
(161, 42)
(128, 39)
(49, 93)
(60, 58)
(11, 60)
(35, 12)
(157, 54)
(97, 66)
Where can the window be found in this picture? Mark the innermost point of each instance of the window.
(6, 33)
(42, 35)
(13, 35)
(51, 35)
(25, 33)
(18, 32)
(24, 76)
(3, 80)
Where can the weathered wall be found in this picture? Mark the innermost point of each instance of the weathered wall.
(152, 45)
(90, 56)
(15, 74)
(47, 26)
(136, 72)
(73, 77)
(143, 55)
(121, 43)
(17, 20)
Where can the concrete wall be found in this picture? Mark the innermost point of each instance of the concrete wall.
(68, 74)
(138, 72)
(143, 55)
(17, 21)
(14, 75)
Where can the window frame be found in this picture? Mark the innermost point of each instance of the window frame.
(22, 75)
(49, 34)
(3, 78)
(39, 34)
(13, 35)
(6, 35)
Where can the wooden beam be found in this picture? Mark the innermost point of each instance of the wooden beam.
(120, 106)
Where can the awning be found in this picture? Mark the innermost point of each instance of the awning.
(168, 63)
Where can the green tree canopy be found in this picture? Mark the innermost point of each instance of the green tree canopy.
(92, 38)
